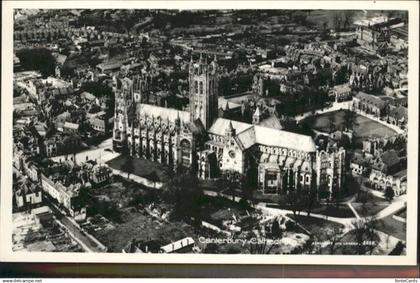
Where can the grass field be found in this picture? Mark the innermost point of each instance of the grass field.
(402, 213)
(392, 227)
(363, 127)
(315, 225)
(141, 167)
(371, 207)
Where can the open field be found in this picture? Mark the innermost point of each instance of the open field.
(402, 213)
(371, 207)
(392, 227)
(141, 167)
(316, 226)
(363, 127)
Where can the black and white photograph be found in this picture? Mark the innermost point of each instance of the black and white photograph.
(215, 131)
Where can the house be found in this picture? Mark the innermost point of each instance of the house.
(341, 92)
(28, 195)
(381, 181)
(67, 196)
(359, 164)
(100, 124)
(369, 104)
(398, 116)
(149, 246)
(181, 246)
(70, 127)
(87, 97)
(43, 215)
(100, 174)
(387, 163)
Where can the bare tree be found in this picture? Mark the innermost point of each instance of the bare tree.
(333, 236)
(365, 235)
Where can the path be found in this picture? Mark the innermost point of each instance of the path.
(334, 107)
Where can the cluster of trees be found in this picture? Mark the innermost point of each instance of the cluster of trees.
(301, 200)
(187, 196)
(37, 59)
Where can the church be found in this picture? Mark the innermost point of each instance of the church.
(198, 139)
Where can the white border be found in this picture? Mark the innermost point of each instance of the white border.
(6, 253)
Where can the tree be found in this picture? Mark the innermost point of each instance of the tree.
(232, 180)
(182, 191)
(292, 199)
(349, 119)
(389, 194)
(336, 195)
(128, 166)
(154, 177)
(37, 59)
(259, 245)
(309, 199)
(364, 197)
(365, 235)
(276, 230)
(331, 123)
(333, 236)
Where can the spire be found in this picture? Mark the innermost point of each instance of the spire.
(257, 112)
(227, 106)
(230, 126)
(230, 130)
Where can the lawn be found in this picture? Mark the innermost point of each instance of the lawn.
(141, 167)
(371, 207)
(392, 227)
(363, 128)
(316, 226)
(402, 213)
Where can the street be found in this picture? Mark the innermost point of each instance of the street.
(87, 244)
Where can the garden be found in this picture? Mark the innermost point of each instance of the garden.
(363, 127)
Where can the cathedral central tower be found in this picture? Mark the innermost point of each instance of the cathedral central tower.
(203, 83)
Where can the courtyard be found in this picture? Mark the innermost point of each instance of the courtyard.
(363, 127)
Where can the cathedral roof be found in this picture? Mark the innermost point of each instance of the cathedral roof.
(219, 126)
(249, 135)
(163, 113)
(271, 122)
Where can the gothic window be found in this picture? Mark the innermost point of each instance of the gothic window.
(201, 87)
(185, 152)
(195, 87)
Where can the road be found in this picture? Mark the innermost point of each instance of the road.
(101, 153)
(87, 244)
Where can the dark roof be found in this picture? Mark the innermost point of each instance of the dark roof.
(371, 99)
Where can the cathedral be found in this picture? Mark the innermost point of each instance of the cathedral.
(199, 140)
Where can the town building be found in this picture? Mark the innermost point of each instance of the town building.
(369, 104)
